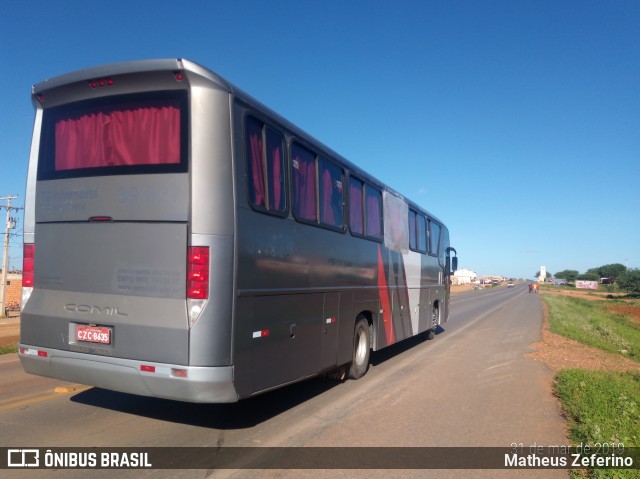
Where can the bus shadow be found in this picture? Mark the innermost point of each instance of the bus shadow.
(379, 357)
(244, 414)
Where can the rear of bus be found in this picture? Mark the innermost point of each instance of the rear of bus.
(128, 254)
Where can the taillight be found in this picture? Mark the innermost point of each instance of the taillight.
(27, 265)
(198, 272)
(100, 82)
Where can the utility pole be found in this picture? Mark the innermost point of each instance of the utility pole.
(10, 224)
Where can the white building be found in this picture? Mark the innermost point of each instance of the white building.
(464, 276)
(543, 274)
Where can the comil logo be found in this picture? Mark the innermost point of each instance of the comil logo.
(23, 458)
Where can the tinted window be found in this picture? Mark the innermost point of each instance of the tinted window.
(356, 206)
(330, 186)
(265, 166)
(115, 135)
(412, 230)
(303, 167)
(434, 238)
(373, 205)
(422, 234)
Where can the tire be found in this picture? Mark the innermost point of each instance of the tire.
(361, 349)
(435, 316)
(430, 333)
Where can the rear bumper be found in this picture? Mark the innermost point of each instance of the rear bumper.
(201, 384)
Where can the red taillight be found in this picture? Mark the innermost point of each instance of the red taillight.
(100, 82)
(27, 265)
(198, 272)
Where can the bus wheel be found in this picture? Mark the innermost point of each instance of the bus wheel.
(361, 349)
(435, 320)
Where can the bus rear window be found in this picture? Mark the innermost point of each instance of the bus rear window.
(115, 135)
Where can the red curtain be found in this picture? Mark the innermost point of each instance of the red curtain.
(356, 217)
(304, 183)
(256, 176)
(274, 171)
(141, 135)
(374, 213)
(327, 216)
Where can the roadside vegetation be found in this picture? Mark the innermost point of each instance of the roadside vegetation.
(613, 326)
(602, 407)
(8, 349)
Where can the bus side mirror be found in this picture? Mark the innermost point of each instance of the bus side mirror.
(454, 264)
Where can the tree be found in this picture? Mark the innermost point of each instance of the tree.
(588, 276)
(629, 280)
(612, 271)
(568, 274)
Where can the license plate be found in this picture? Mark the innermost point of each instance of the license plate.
(93, 334)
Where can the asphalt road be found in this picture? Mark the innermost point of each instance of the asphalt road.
(473, 385)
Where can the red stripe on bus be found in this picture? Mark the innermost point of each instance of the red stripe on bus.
(385, 303)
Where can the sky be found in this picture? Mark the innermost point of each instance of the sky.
(516, 122)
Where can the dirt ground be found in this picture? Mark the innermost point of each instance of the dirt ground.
(559, 352)
(9, 330)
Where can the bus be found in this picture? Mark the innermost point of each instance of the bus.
(184, 241)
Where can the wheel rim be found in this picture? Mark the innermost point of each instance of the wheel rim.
(361, 347)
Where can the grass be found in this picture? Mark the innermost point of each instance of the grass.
(595, 324)
(8, 349)
(602, 408)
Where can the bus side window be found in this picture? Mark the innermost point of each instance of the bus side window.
(422, 234)
(275, 170)
(331, 201)
(265, 167)
(373, 207)
(356, 206)
(412, 230)
(434, 238)
(303, 167)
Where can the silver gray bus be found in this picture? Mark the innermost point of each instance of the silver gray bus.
(184, 241)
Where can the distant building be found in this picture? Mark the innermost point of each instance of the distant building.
(14, 289)
(464, 276)
(543, 274)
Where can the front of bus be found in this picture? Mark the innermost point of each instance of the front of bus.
(122, 232)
